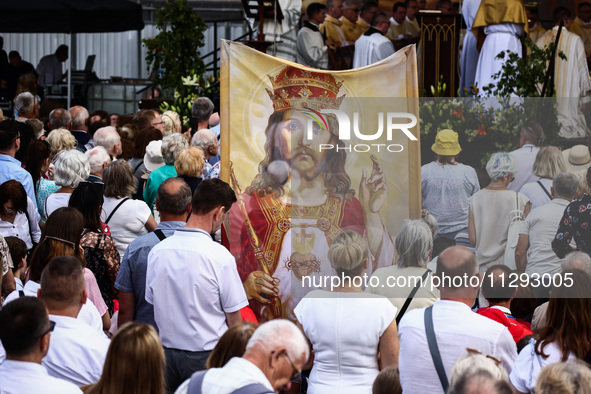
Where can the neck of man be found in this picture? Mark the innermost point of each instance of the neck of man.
(71, 311)
(201, 222)
(504, 304)
(410, 19)
(10, 152)
(464, 300)
(97, 174)
(257, 359)
(28, 358)
(170, 217)
(203, 125)
(556, 196)
(305, 191)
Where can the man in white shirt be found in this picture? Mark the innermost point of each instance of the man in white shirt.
(194, 285)
(534, 253)
(454, 324)
(50, 67)
(373, 46)
(77, 353)
(530, 139)
(312, 46)
(275, 354)
(25, 330)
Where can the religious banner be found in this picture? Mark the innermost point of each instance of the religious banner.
(311, 153)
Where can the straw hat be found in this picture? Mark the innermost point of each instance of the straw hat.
(153, 157)
(446, 143)
(577, 158)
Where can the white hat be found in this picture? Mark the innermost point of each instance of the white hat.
(153, 157)
(577, 158)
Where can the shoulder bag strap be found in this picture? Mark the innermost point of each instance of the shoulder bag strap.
(545, 190)
(254, 388)
(29, 224)
(116, 208)
(138, 166)
(434, 349)
(160, 234)
(21, 293)
(196, 382)
(411, 296)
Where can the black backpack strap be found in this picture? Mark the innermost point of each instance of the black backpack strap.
(29, 224)
(21, 293)
(434, 349)
(255, 388)
(116, 208)
(411, 296)
(196, 382)
(138, 166)
(545, 190)
(160, 234)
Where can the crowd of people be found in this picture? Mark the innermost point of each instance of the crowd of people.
(106, 275)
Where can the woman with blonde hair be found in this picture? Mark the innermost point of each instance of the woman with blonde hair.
(60, 140)
(349, 330)
(549, 163)
(134, 364)
(189, 166)
(571, 377)
(172, 123)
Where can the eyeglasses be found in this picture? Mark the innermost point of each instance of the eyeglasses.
(50, 329)
(472, 350)
(356, 10)
(296, 372)
(157, 123)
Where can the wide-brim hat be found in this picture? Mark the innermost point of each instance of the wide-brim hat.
(577, 158)
(153, 158)
(446, 143)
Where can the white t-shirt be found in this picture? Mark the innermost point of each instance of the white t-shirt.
(77, 352)
(128, 222)
(528, 365)
(55, 201)
(20, 377)
(192, 282)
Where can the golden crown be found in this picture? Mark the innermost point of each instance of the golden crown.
(297, 88)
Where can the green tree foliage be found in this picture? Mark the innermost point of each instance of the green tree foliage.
(176, 48)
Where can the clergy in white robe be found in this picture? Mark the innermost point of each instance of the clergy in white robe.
(469, 59)
(372, 46)
(571, 79)
(284, 32)
(312, 45)
(502, 22)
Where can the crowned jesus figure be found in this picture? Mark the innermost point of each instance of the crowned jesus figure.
(302, 199)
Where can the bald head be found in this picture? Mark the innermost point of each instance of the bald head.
(455, 266)
(173, 199)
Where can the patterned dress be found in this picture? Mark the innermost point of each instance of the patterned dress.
(574, 223)
(103, 260)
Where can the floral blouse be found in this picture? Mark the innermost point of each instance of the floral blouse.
(44, 189)
(574, 223)
(103, 260)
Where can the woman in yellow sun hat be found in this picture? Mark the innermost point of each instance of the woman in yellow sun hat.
(447, 185)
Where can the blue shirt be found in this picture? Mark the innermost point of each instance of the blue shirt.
(10, 169)
(132, 273)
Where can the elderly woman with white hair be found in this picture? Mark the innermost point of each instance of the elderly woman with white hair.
(172, 145)
(127, 219)
(414, 245)
(349, 330)
(70, 168)
(490, 210)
